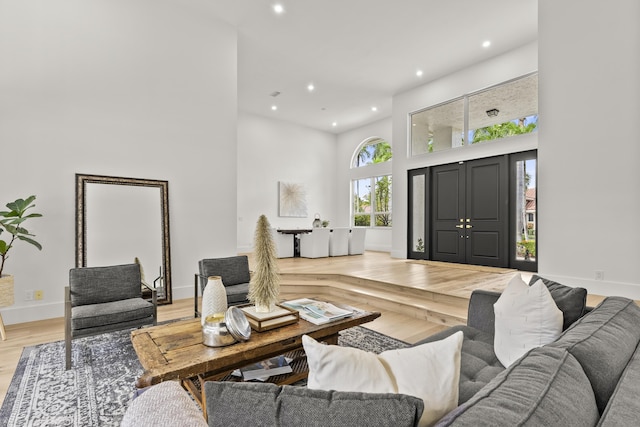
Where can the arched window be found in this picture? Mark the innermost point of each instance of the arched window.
(371, 151)
(371, 195)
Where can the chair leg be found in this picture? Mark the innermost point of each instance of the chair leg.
(2, 331)
(67, 345)
(67, 327)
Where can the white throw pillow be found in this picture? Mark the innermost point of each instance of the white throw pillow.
(429, 371)
(526, 317)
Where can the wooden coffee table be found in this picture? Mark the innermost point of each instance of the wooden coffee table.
(175, 351)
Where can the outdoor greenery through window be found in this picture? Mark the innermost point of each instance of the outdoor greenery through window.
(498, 112)
(372, 195)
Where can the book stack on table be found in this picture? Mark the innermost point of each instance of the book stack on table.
(261, 371)
(317, 312)
(280, 316)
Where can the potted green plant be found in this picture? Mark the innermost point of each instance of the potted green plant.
(12, 223)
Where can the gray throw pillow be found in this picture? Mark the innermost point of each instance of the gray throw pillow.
(571, 301)
(265, 404)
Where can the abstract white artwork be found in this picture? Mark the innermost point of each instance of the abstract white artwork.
(292, 200)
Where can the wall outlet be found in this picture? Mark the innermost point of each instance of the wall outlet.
(599, 275)
(38, 295)
(28, 295)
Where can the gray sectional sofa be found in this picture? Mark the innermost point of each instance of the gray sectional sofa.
(589, 376)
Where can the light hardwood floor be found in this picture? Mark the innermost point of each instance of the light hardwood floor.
(371, 268)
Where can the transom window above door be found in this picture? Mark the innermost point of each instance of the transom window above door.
(501, 111)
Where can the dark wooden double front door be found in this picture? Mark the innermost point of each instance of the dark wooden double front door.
(467, 218)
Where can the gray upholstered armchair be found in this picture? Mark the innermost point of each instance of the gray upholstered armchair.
(235, 275)
(104, 299)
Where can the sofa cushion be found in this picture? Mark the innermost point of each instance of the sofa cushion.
(478, 362)
(237, 293)
(233, 270)
(110, 313)
(613, 324)
(525, 317)
(265, 404)
(94, 285)
(624, 406)
(428, 371)
(547, 387)
(166, 404)
(571, 301)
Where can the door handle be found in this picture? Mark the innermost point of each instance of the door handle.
(468, 226)
(459, 226)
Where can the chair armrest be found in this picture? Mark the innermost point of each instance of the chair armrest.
(148, 286)
(154, 300)
(481, 315)
(196, 285)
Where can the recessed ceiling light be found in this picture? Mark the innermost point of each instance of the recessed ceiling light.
(334, 124)
(310, 87)
(374, 108)
(274, 107)
(419, 73)
(486, 43)
(278, 8)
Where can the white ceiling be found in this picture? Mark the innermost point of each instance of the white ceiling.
(359, 53)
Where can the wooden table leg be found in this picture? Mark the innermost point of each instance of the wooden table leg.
(331, 339)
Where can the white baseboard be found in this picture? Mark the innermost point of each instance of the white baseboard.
(31, 313)
(43, 311)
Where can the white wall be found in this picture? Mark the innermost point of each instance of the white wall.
(141, 89)
(589, 149)
(270, 151)
(377, 239)
(488, 73)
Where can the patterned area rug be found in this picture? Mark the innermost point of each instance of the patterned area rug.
(100, 385)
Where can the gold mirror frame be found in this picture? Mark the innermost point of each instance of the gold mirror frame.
(81, 221)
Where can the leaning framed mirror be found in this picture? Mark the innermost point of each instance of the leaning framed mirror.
(125, 220)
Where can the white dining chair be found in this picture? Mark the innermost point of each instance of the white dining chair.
(356, 241)
(283, 243)
(339, 242)
(315, 244)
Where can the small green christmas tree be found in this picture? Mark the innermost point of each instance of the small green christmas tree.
(264, 289)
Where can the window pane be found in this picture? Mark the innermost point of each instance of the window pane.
(362, 220)
(526, 227)
(362, 196)
(383, 201)
(376, 151)
(418, 219)
(383, 220)
(383, 193)
(437, 128)
(505, 110)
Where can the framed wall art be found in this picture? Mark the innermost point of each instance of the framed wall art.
(292, 200)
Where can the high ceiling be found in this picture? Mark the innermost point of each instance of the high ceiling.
(359, 53)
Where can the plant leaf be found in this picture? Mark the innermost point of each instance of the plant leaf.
(33, 242)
